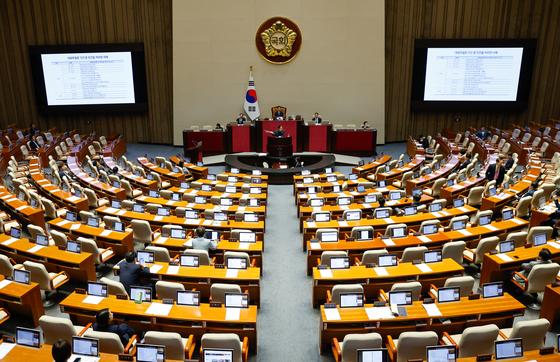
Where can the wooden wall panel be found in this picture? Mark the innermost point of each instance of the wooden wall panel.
(40, 22)
(407, 20)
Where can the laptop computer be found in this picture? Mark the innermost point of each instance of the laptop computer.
(398, 232)
(340, 262)
(441, 354)
(353, 215)
(84, 348)
(432, 256)
(150, 353)
(145, 257)
(21, 276)
(236, 263)
(329, 237)
(189, 260)
(372, 355)
(247, 237)
(236, 300)
(539, 239)
(387, 260)
(506, 246)
(188, 297)
(493, 290)
(97, 289)
(510, 348)
(322, 216)
(217, 355)
(143, 294)
(451, 294)
(74, 246)
(351, 300)
(28, 337)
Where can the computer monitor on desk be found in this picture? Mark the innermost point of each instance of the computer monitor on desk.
(372, 355)
(441, 354)
(451, 294)
(511, 348)
(28, 337)
(85, 347)
(217, 355)
(150, 353)
(322, 216)
(387, 260)
(340, 262)
(143, 294)
(493, 290)
(236, 300)
(400, 298)
(351, 300)
(97, 289)
(189, 260)
(188, 297)
(329, 237)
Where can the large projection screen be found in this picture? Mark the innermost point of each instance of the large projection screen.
(105, 77)
(473, 74)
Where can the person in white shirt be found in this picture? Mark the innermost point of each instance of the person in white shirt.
(202, 243)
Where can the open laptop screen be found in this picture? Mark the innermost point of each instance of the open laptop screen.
(236, 300)
(387, 260)
(22, 276)
(372, 355)
(322, 216)
(97, 289)
(340, 262)
(247, 237)
(189, 260)
(217, 355)
(511, 348)
(236, 263)
(506, 246)
(400, 298)
(351, 300)
(28, 337)
(85, 346)
(432, 256)
(188, 297)
(441, 354)
(451, 294)
(150, 353)
(329, 237)
(145, 257)
(491, 290)
(539, 239)
(141, 293)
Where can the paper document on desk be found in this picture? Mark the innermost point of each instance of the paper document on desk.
(388, 220)
(464, 232)
(325, 273)
(173, 269)
(554, 244)
(311, 224)
(159, 309)
(4, 282)
(388, 242)
(9, 241)
(518, 221)
(444, 213)
(233, 314)
(504, 257)
(332, 314)
(121, 212)
(244, 246)
(437, 214)
(463, 209)
(75, 226)
(92, 299)
(5, 348)
(344, 207)
(377, 313)
(343, 223)
(188, 243)
(432, 310)
(160, 240)
(491, 227)
(314, 246)
(158, 218)
(192, 221)
(110, 210)
(35, 249)
(366, 206)
(206, 222)
(382, 189)
(232, 273)
(424, 268)
(424, 239)
(155, 268)
(381, 271)
(21, 208)
(72, 198)
(105, 233)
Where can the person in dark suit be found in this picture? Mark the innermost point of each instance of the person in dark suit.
(278, 114)
(132, 273)
(33, 145)
(509, 163)
(241, 119)
(317, 118)
(279, 131)
(466, 161)
(483, 133)
(61, 351)
(496, 172)
(104, 323)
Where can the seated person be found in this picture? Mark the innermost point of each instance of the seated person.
(466, 161)
(61, 351)
(201, 243)
(219, 127)
(483, 133)
(279, 115)
(241, 119)
(181, 165)
(365, 125)
(544, 258)
(104, 323)
(33, 145)
(317, 118)
(279, 131)
(131, 273)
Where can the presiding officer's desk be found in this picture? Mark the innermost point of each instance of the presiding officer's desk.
(498, 267)
(366, 169)
(177, 246)
(374, 279)
(453, 317)
(78, 266)
(120, 242)
(185, 320)
(24, 299)
(311, 227)
(203, 276)
(62, 198)
(174, 220)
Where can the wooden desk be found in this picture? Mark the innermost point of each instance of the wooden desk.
(80, 267)
(21, 209)
(507, 196)
(379, 225)
(177, 246)
(137, 181)
(98, 186)
(226, 174)
(327, 186)
(373, 280)
(196, 171)
(364, 170)
(23, 299)
(495, 268)
(192, 223)
(527, 357)
(202, 277)
(175, 178)
(121, 242)
(236, 196)
(185, 320)
(462, 314)
(429, 179)
(301, 198)
(551, 304)
(461, 189)
(261, 210)
(44, 353)
(238, 184)
(62, 198)
(396, 173)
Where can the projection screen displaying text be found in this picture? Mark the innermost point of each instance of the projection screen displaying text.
(472, 74)
(88, 78)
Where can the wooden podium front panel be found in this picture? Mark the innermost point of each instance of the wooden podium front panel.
(318, 137)
(290, 129)
(240, 138)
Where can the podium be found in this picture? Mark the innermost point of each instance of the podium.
(291, 127)
(280, 147)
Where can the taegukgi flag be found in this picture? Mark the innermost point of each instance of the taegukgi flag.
(251, 105)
